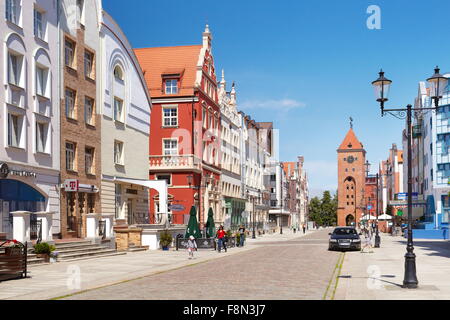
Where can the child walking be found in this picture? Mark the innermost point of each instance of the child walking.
(191, 246)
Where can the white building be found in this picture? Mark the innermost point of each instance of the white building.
(125, 115)
(233, 197)
(431, 175)
(29, 109)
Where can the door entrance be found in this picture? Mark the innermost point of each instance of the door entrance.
(130, 211)
(350, 220)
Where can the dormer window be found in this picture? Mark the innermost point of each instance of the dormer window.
(171, 86)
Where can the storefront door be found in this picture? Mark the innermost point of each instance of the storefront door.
(130, 211)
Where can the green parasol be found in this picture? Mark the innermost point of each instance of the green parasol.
(192, 227)
(210, 225)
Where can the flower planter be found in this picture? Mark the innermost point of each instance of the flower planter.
(165, 248)
(13, 251)
(43, 255)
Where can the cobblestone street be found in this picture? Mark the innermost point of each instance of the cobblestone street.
(300, 268)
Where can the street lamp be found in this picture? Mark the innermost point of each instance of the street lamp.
(253, 220)
(281, 198)
(381, 86)
(377, 234)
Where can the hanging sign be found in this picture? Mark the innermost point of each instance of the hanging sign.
(71, 185)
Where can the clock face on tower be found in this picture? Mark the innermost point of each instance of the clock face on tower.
(350, 159)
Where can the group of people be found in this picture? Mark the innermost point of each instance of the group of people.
(295, 228)
(367, 232)
(222, 240)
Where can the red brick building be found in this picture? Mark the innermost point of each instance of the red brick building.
(351, 180)
(185, 127)
(370, 196)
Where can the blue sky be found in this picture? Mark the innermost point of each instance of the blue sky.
(307, 65)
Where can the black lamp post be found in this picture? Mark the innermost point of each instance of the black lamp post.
(377, 234)
(281, 198)
(381, 86)
(253, 220)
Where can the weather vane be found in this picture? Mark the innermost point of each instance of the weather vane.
(351, 123)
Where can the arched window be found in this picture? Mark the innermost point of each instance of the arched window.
(118, 73)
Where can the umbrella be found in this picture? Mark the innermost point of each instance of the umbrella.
(368, 217)
(192, 227)
(210, 225)
(385, 217)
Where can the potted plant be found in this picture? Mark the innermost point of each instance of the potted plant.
(54, 256)
(44, 250)
(165, 240)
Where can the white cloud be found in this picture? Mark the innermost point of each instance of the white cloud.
(282, 104)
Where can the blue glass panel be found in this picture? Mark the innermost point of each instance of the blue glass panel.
(18, 191)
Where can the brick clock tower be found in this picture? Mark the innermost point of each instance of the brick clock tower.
(351, 180)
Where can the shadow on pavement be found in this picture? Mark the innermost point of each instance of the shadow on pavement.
(433, 248)
(374, 278)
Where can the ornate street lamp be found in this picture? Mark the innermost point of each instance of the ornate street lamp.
(382, 85)
(377, 234)
(281, 198)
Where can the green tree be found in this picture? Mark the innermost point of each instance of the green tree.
(315, 210)
(324, 211)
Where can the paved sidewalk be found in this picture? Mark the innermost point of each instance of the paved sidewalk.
(64, 278)
(379, 275)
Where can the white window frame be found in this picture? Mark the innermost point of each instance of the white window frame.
(39, 24)
(88, 63)
(118, 152)
(89, 110)
(15, 133)
(70, 107)
(172, 88)
(15, 67)
(172, 150)
(70, 156)
(80, 11)
(42, 81)
(69, 52)
(172, 119)
(89, 159)
(118, 116)
(41, 135)
(12, 11)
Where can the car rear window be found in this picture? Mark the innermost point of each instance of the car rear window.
(344, 231)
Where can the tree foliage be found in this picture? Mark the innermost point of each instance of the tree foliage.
(324, 211)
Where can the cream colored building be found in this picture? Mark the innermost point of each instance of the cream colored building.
(125, 110)
(233, 199)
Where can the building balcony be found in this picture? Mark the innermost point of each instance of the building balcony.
(186, 162)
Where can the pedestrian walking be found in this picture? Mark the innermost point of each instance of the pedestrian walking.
(221, 240)
(367, 240)
(191, 246)
(241, 236)
(304, 228)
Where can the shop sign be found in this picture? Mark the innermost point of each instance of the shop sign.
(177, 207)
(4, 170)
(71, 185)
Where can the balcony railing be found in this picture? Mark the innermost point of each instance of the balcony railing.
(172, 162)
